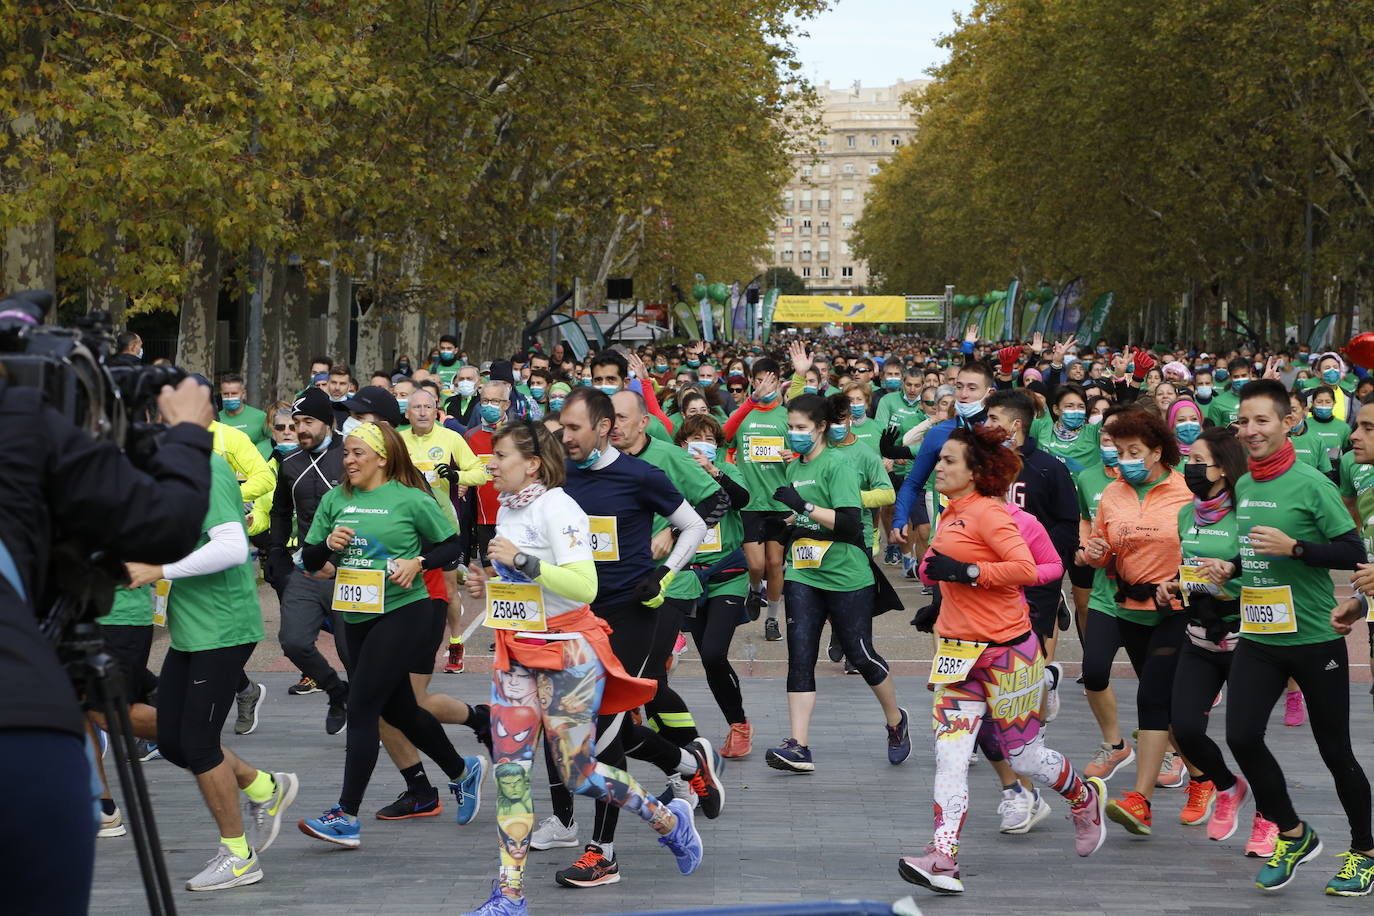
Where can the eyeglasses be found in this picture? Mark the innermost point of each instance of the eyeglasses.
(928, 403)
(283, 427)
(493, 401)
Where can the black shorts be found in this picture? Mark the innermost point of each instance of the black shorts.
(1044, 602)
(483, 535)
(130, 645)
(753, 524)
(423, 663)
(1081, 576)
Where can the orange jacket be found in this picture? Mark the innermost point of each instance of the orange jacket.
(1142, 533)
(979, 529)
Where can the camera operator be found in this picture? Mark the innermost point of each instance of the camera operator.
(59, 480)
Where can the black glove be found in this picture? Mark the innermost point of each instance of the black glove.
(790, 498)
(448, 472)
(925, 618)
(942, 568)
(890, 445)
(277, 567)
(651, 587)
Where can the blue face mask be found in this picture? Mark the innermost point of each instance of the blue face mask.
(1188, 431)
(859, 411)
(1204, 392)
(590, 460)
(140, 352)
(693, 363)
(969, 411)
(838, 432)
(1221, 374)
(801, 443)
(555, 403)
(349, 425)
(1073, 419)
(490, 414)
(1133, 471)
(607, 390)
(766, 398)
(233, 404)
(403, 403)
(1109, 455)
(447, 357)
(287, 448)
(467, 388)
(537, 393)
(586, 382)
(1331, 376)
(1237, 384)
(322, 446)
(1322, 413)
(660, 367)
(892, 384)
(808, 389)
(706, 450)
(1101, 351)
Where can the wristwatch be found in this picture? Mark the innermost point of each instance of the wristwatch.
(520, 560)
(808, 508)
(974, 572)
(1298, 550)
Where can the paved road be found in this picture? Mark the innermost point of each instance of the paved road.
(783, 838)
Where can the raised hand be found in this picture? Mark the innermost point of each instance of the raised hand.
(801, 360)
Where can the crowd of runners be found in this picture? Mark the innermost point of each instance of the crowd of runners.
(595, 514)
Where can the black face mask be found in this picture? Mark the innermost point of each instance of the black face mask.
(1195, 476)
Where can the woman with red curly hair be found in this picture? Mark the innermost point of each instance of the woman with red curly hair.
(988, 662)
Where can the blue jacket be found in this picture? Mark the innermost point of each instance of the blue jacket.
(924, 464)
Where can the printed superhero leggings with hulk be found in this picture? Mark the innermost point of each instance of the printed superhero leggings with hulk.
(563, 704)
(1004, 688)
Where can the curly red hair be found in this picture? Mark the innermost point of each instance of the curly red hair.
(994, 466)
(1149, 429)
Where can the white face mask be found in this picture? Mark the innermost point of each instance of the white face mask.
(350, 424)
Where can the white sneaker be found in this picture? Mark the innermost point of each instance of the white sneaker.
(112, 824)
(1015, 809)
(678, 788)
(551, 834)
(263, 819)
(226, 870)
(1052, 691)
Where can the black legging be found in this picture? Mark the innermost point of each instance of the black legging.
(1197, 680)
(1259, 674)
(382, 650)
(668, 709)
(194, 696)
(713, 628)
(1153, 651)
(851, 620)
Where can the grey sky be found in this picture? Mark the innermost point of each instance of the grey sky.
(876, 41)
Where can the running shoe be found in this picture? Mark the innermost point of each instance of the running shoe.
(454, 665)
(412, 804)
(145, 750)
(1172, 773)
(1107, 760)
(467, 789)
(850, 667)
(336, 717)
(898, 740)
(112, 824)
(1015, 809)
(753, 605)
(1356, 877)
(306, 685)
(892, 556)
(677, 788)
(592, 870)
(1089, 827)
(1202, 799)
(683, 841)
(833, 651)
(479, 720)
(263, 819)
(932, 869)
(1053, 672)
(498, 904)
(1132, 811)
(1264, 836)
(552, 834)
(1289, 853)
(1294, 711)
(790, 756)
(705, 782)
(226, 870)
(740, 741)
(248, 702)
(1225, 816)
(771, 631)
(908, 568)
(333, 827)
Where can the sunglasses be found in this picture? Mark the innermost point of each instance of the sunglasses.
(928, 403)
(282, 427)
(737, 391)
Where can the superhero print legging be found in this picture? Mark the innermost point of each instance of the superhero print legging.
(563, 704)
(1005, 688)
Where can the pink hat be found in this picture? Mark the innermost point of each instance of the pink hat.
(1032, 375)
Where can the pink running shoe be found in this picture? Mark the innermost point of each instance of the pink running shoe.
(1294, 712)
(1224, 817)
(1262, 838)
(1089, 818)
(933, 869)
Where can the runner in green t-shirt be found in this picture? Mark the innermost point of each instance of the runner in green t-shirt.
(238, 415)
(1293, 530)
(447, 365)
(214, 622)
(901, 410)
(1069, 436)
(1332, 430)
(1307, 445)
(1225, 407)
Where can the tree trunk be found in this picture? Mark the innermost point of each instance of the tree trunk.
(274, 278)
(294, 324)
(369, 352)
(200, 305)
(340, 317)
(30, 260)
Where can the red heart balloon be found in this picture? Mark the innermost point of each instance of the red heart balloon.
(1361, 350)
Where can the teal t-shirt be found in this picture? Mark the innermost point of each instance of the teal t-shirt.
(220, 609)
(388, 523)
(830, 481)
(761, 454)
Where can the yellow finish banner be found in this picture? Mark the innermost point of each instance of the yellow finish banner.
(842, 309)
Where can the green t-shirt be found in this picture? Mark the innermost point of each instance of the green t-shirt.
(251, 422)
(1305, 505)
(1091, 482)
(220, 609)
(872, 476)
(1219, 539)
(1083, 451)
(730, 537)
(1224, 409)
(695, 485)
(1333, 433)
(1357, 483)
(868, 432)
(659, 431)
(830, 481)
(1310, 449)
(446, 375)
(388, 523)
(761, 451)
(894, 411)
(132, 607)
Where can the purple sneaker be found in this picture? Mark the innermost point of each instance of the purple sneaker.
(1087, 819)
(684, 841)
(933, 869)
(498, 904)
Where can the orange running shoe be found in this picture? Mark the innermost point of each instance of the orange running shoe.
(740, 741)
(1202, 797)
(1132, 811)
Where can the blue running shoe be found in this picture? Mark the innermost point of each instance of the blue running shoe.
(333, 827)
(498, 904)
(467, 791)
(684, 841)
(898, 741)
(790, 756)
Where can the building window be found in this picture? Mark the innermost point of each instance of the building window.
(825, 227)
(786, 254)
(847, 196)
(873, 140)
(846, 273)
(823, 142)
(806, 254)
(849, 168)
(806, 273)
(787, 199)
(896, 140)
(805, 202)
(847, 222)
(851, 141)
(806, 171)
(873, 168)
(824, 200)
(825, 273)
(825, 170)
(806, 224)
(823, 253)
(787, 222)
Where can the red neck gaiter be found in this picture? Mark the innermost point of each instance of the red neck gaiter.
(1275, 464)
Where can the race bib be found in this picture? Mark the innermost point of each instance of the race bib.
(764, 450)
(711, 543)
(808, 553)
(605, 543)
(954, 659)
(359, 591)
(1194, 582)
(427, 469)
(515, 606)
(1267, 610)
(1368, 608)
(161, 592)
